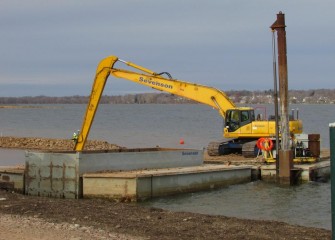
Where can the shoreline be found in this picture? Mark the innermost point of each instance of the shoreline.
(110, 219)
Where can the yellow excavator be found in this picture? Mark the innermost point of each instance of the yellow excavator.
(241, 125)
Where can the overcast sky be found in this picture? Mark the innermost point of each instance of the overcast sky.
(53, 47)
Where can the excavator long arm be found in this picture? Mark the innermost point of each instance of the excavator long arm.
(101, 76)
(202, 94)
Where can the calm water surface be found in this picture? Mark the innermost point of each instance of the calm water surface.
(144, 125)
(164, 125)
(305, 205)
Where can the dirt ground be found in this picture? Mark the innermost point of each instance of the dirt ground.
(24, 217)
(29, 217)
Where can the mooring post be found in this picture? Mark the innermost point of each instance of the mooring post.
(332, 174)
(275, 97)
(285, 153)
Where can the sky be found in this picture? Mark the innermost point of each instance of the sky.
(53, 47)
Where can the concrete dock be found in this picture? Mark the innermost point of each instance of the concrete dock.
(12, 178)
(144, 184)
(137, 174)
(134, 174)
(319, 171)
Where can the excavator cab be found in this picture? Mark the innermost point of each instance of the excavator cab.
(236, 118)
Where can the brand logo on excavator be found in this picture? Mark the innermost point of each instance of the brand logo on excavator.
(155, 83)
(190, 153)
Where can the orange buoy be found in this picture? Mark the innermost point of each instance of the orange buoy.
(181, 141)
(268, 144)
(265, 144)
(259, 143)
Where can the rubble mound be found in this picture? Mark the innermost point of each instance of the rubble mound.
(35, 143)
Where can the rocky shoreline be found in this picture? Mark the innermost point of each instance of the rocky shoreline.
(30, 217)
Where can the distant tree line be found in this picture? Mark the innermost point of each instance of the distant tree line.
(143, 98)
(317, 96)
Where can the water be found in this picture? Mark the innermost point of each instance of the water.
(144, 125)
(11, 157)
(305, 205)
(165, 125)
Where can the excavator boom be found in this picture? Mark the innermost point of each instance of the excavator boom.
(203, 94)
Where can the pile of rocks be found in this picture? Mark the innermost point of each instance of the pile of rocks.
(52, 144)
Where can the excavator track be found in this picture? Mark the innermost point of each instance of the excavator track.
(219, 148)
(213, 148)
(249, 149)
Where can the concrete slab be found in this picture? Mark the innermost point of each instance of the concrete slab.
(12, 178)
(52, 175)
(143, 184)
(143, 158)
(319, 171)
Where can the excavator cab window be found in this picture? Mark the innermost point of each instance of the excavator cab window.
(238, 118)
(247, 116)
(233, 120)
